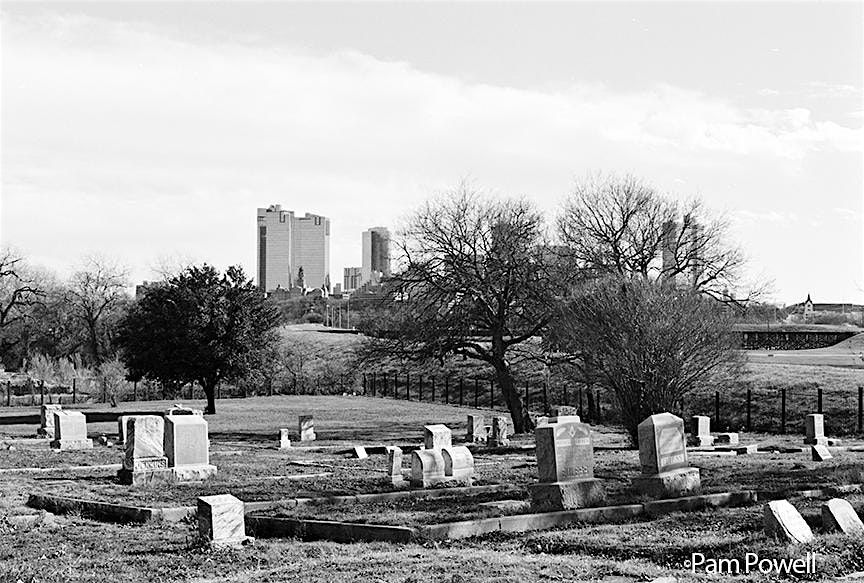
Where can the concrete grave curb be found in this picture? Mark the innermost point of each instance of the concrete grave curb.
(106, 512)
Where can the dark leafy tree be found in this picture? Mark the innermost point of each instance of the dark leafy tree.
(198, 326)
(475, 282)
(648, 343)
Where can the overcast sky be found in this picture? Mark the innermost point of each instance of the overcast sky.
(154, 130)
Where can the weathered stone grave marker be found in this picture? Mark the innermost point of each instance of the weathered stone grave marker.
(222, 521)
(814, 428)
(144, 461)
(121, 429)
(458, 463)
(839, 516)
(663, 457)
(70, 431)
(700, 431)
(284, 439)
(427, 467)
(476, 432)
(500, 429)
(360, 452)
(437, 436)
(782, 520)
(307, 428)
(565, 466)
(187, 448)
(820, 453)
(726, 439)
(46, 420)
(394, 464)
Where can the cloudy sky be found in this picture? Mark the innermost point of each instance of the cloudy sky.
(147, 131)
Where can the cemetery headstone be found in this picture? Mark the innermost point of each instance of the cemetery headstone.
(437, 436)
(306, 428)
(700, 431)
(187, 448)
(394, 464)
(46, 420)
(820, 453)
(222, 521)
(458, 463)
(663, 458)
(500, 430)
(178, 409)
(284, 439)
(747, 449)
(565, 467)
(360, 452)
(121, 429)
(144, 460)
(814, 429)
(783, 521)
(839, 516)
(726, 439)
(476, 432)
(427, 468)
(70, 431)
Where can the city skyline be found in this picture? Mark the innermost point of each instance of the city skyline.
(123, 121)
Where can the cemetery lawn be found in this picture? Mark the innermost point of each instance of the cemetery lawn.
(37, 546)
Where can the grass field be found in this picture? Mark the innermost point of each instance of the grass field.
(244, 439)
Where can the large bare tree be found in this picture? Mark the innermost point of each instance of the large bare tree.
(20, 292)
(474, 281)
(93, 294)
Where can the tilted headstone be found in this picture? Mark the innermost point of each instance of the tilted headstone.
(70, 431)
(458, 463)
(500, 431)
(782, 520)
(427, 468)
(394, 464)
(437, 436)
(839, 516)
(284, 439)
(476, 432)
(820, 453)
(46, 420)
(663, 459)
(360, 452)
(222, 520)
(306, 428)
(187, 448)
(814, 428)
(565, 467)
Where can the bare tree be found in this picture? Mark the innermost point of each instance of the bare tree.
(623, 226)
(94, 292)
(474, 283)
(20, 291)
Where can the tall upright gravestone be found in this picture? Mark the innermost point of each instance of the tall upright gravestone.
(70, 431)
(663, 458)
(46, 420)
(187, 448)
(565, 464)
(144, 461)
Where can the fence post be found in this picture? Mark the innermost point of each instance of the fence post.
(420, 388)
(446, 390)
(42, 392)
(717, 408)
(433, 388)
(476, 391)
(491, 393)
(407, 386)
(749, 409)
(461, 391)
(783, 410)
(384, 381)
(860, 408)
(581, 410)
(9, 392)
(545, 396)
(566, 399)
(818, 399)
(597, 407)
(589, 395)
(527, 396)
(364, 383)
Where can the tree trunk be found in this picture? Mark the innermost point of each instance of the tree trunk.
(518, 412)
(210, 391)
(94, 342)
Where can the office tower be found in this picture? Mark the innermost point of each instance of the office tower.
(376, 254)
(352, 278)
(286, 243)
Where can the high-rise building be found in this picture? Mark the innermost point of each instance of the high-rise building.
(286, 243)
(376, 254)
(352, 278)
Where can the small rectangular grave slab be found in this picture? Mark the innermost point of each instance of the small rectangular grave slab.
(284, 439)
(437, 436)
(747, 449)
(394, 465)
(820, 453)
(726, 439)
(306, 428)
(839, 516)
(782, 520)
(221, 520)
(70, 431)
(672, 484)
(360, 452)
(700, 425)
(476, 430)
(500, 432)
(814, 429)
